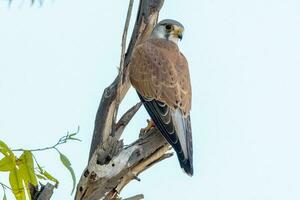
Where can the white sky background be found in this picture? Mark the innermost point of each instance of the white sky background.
(244, 61)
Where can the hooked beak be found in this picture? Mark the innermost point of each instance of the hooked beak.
(179, 33)
(180, 36)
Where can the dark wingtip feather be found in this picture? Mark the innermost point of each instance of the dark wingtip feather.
(187, 167)
(155, 109)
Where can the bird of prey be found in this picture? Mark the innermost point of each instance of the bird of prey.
(159, 72)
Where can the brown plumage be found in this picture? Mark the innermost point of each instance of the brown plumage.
(159, 72)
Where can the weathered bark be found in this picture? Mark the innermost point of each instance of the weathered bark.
(112, 165)
(145, 21)
(44, 193)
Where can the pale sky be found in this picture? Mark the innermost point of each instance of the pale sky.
(244, 59)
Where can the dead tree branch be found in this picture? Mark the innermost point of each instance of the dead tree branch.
(112, 165)
(44, 193)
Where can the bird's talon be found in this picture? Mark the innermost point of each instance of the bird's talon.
(149, 126)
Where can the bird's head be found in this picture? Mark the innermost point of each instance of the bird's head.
(168, 29)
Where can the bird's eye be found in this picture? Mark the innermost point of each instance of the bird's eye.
(168, 27)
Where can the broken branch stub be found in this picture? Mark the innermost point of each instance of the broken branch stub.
(101, 181)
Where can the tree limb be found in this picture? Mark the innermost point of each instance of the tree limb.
(125, 119)
(122, 60)
(112, 165)
(105, 181)
(145, 21)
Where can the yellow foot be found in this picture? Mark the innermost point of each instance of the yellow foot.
(149, 126)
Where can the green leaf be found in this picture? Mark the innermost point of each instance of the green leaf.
(50, 177)
(4, 196)
(5, 150)
(72, 134)
(39, 167)
(66, 162)
(26, 167)
(75, 133)
(40, 176)
(16, 183)
(7, 163)
(45, 175)
(71, 138)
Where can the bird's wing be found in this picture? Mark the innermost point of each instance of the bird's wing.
(161, 77)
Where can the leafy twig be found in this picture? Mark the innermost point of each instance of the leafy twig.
(62, 140)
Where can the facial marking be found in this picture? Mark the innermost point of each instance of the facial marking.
(168, 29)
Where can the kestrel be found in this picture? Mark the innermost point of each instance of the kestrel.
(159, 72)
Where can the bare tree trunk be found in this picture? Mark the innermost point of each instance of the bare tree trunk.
(111, 165)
